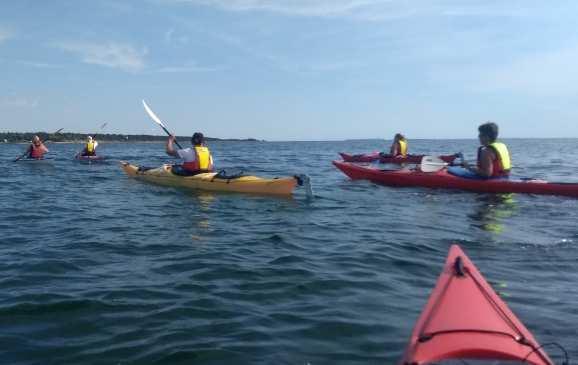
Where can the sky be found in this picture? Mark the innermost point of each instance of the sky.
(291, 69)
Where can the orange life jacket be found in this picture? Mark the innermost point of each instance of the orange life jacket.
(37, 151)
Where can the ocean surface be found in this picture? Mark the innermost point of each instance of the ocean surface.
(97, 268)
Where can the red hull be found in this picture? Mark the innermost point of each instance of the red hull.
(465, 319)
(89, 158)
(442, 179)
(376, 156)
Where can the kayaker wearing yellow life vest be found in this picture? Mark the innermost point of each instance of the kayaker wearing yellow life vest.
(399, 146)
(493, 157)
(197, 159)
(89, 147)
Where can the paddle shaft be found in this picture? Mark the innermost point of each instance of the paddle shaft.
(101, 127)
(170, 134)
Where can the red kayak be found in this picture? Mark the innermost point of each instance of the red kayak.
(465, 319)
(89, 158)
(384, 158)
(445, 180)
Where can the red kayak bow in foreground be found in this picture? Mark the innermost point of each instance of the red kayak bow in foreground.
(465, 319)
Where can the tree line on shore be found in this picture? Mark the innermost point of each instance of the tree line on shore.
(23, 137)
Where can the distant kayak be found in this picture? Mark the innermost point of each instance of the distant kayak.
(35, 160)
(90, 158)
(213, 181)
(443, 179)
(383, 158)
(465, 319)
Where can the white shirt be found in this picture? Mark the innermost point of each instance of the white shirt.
(189, 155)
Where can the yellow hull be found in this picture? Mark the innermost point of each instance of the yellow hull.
(207, 181)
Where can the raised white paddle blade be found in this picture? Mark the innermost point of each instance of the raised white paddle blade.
(152, 115)
(432, 164)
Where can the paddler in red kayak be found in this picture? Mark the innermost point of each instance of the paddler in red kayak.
(493, 157)
(399, 146)
(197, 159)
(89, 147)
(37, 149)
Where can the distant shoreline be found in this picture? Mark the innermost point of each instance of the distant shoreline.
(26, 137)
(131, 142)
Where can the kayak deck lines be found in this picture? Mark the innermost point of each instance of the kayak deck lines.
(461, 271)
(465, 319)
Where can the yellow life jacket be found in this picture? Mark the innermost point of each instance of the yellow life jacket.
(203, 158)
(503, 155)
(90, 147)
(402, 147)
(502, 165)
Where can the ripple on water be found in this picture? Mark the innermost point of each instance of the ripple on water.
(99, 268)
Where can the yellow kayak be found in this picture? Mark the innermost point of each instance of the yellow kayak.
(212, 181)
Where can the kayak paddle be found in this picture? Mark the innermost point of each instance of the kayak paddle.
(158, 121)
(433, 164)
(25, 153)
(101, 128)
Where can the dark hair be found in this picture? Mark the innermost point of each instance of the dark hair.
(490, 130)
(197, 138)
(399, 136)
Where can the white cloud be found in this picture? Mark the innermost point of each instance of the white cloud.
(110, 54)
(171, 37)
(367, 9)
(189, 67)
(17, 102)
(295, 7)
(5, 35)
(39, 64)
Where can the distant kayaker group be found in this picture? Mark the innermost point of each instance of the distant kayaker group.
(490, 172)
(493, 157)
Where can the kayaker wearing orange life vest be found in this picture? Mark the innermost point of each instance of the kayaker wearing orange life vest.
(493, 157)
(37, 149)
(197, 159)
(399, 146)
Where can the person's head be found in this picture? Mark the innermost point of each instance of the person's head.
(36, 140)
(197, 139)
(399, 137)
(88, 139)
(488, 133)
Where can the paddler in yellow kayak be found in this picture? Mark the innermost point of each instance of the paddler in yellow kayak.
(493, 157)
(197, 159)
(399, 146)
(89, 147)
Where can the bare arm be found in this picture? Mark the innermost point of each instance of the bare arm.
(170, 149)
(393, 149)
(486, 166)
